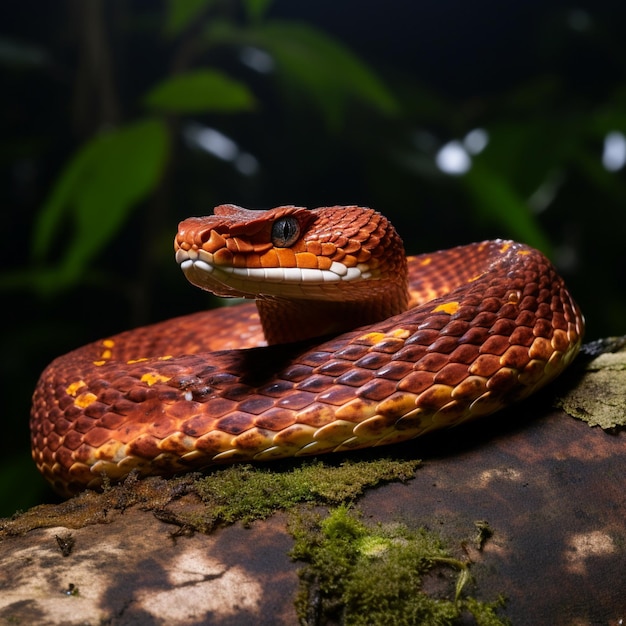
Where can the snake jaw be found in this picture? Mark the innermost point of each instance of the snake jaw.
(250, 282)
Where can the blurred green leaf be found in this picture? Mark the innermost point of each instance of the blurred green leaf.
(198, 91)
(499, 203)
(326, 71)
(181, 12)
(610, 116)
(525, 152)
(98, 189)
(256, 9)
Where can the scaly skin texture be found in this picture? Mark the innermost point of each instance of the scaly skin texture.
(487, 324)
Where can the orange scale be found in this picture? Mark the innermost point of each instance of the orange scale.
(316, 415)
(197, 426)
(235, 423)
(214, 442)
(96, 437)
(323, 263)
(306, 260)
(74, 439)
(223, 257)
(315, 247)
(269, 259)
(145, 446)
(66, 458)
(337, 395)
(296, 400)
(364, 256)
(339, 241)
(286, 257)
(352, 246)
(161, 427)
(338, 256)
(275, 420)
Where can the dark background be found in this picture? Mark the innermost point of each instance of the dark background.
(545, 80)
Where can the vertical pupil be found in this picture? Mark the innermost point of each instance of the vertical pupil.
(285, 231)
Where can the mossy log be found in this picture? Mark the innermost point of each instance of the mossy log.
(522, 515)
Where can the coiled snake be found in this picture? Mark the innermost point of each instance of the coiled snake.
(409, 345)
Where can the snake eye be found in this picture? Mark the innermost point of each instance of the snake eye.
(285, 231)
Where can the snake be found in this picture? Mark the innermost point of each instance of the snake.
(348, 344)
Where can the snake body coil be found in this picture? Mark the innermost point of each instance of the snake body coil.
(411, 345)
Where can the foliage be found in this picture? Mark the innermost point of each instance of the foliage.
(98, 187)
(539, 145)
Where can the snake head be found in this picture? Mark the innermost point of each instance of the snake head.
(290, 252)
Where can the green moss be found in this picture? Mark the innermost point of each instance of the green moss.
(246, 492)
(227, 495)
(356, 575)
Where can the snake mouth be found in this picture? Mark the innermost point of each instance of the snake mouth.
(201, 270)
